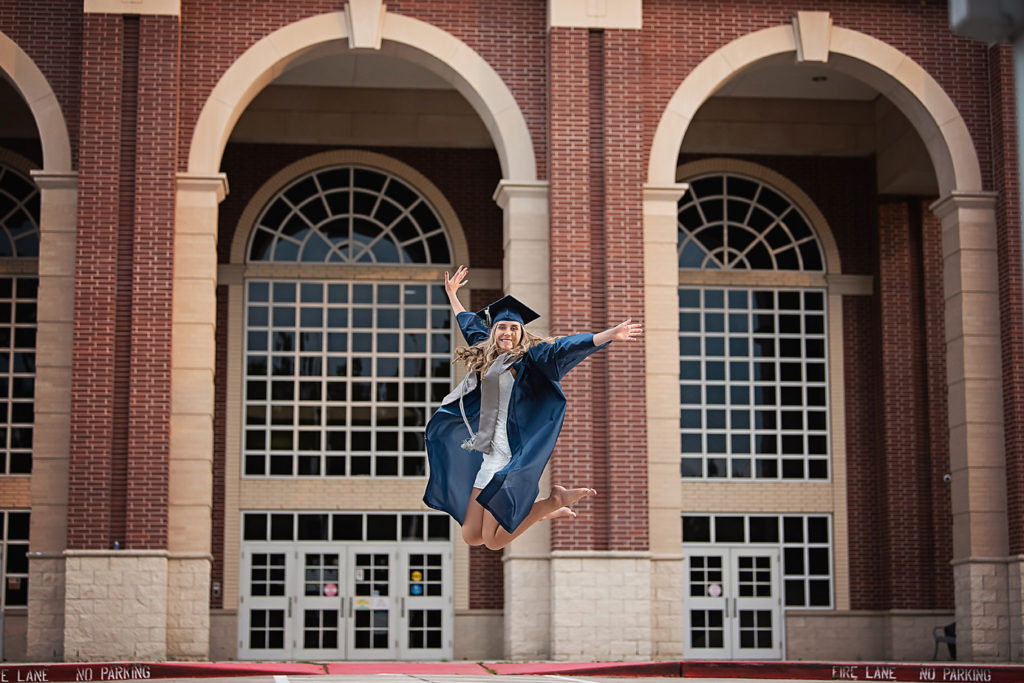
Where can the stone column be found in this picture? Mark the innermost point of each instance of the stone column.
(977, 463)
(193, 350)
(52, 429)
(661, 296)
(526, 273)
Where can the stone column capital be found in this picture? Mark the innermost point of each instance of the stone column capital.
(55, 180)
(508, 190)
(958, 199)
(201, 182)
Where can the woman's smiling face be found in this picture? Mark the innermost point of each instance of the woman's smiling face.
(507, 334)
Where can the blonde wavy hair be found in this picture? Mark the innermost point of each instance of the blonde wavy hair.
(479, 357)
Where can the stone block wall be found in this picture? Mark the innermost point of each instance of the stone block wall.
(600, 606)
(115, 605)
(188, 612)
(982, 610)
(667, 608)
(528, 592)
(46, 618)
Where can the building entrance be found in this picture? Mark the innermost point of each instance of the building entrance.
(331, 601)
(733, 604)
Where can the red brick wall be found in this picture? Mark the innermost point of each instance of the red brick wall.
(865, 500)
(89, 501)
(151, 283)
(625, 158)
(572, 223)
(122, 330)
(1006, 182)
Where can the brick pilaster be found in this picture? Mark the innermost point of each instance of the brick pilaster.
(571, 276)
(153, 260)
(89, 499)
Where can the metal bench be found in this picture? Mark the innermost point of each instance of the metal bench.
(945, 634)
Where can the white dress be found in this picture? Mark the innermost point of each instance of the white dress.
(501, 452)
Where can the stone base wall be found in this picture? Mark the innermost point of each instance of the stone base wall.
(45, 639)
(981, 587)
(527, 608)
(667, 608)
(904, 636)
(479, 635)
(115, 605)
(600, 606)
(188, 608)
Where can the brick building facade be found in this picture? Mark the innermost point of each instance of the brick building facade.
(224, 230)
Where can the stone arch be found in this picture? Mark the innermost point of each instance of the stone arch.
(428, 46)
(895, 75)
(42, 102)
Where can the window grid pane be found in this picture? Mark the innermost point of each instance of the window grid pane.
(349, 526)
(806, 548)
(753, 384)
(340, 377)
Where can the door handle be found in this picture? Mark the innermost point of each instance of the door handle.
(403, 607)
(350, 607)
(290, 607)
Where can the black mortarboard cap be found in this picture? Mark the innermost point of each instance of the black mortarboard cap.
(507, 308)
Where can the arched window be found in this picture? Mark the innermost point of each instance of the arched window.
(342, 368)
(752, 354)
(350, 215)
(731, 222)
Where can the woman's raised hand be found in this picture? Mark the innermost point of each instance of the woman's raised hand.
(455, 282)
(452, 285)
(627, 330)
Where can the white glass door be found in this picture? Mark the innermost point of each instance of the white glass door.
(265, 603)
(373, 607)
(319, 605)
(426, 599)
(732, 607)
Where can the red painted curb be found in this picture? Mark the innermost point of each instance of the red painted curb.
(662, 669)
(135, 671)
(441, 668)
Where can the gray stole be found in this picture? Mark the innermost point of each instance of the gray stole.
(489, 396)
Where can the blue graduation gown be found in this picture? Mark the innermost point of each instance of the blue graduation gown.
(535, 413)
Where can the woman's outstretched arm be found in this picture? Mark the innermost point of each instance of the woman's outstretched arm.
(624, 331)
(453, 284)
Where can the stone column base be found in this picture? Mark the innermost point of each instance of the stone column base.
(667, 607)
(188, 607)
(600, 605)
(45, 640)
(115, 605)
(527, 607)
(983, 619)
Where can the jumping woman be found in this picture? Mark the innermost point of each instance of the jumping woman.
(491, 438)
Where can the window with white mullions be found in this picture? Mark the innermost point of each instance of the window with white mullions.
(349, 214)
(753, 384)
(340, 377)
(803, 540)
(15, 558)
(732, 222)
(19, 215)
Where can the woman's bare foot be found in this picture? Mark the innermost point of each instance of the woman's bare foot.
(564, 497)
(558, 514)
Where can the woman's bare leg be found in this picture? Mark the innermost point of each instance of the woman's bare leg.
(554, 506)
(472, 523)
